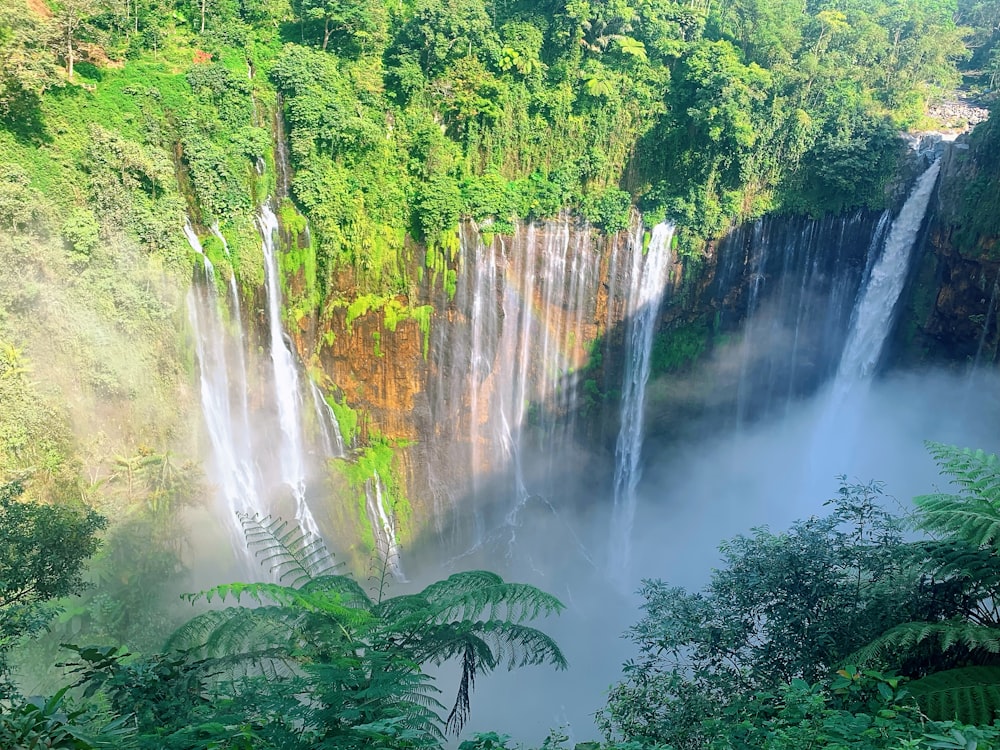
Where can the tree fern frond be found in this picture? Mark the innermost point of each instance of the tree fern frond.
(459, 583)
(296, 556)
(968, 694)
(253, 630)
(462, 709)
(945, 634)
(976, 471)
(233, 630)
(520, 646)
(971, 519)
(956, 559)
(350, 592)
(468, 596)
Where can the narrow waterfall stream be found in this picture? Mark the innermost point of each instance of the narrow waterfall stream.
(648, 283)
(287, 393)
(222, 380)
(383, 527)
(873, 316)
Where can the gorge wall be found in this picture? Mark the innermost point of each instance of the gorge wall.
(507, 397)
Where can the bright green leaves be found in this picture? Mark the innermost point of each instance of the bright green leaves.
(782, 607)
(359, 659)
(43, 549)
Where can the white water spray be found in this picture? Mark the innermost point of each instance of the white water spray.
(648, 284)
(234, 466)
(873, 316)
(286, 380)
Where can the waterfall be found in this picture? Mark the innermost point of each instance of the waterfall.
(329, 429)
(789, 320)
(505, 368)
(842, 413)
(222, 375)
(648, 282)
(872, 319)
(286, 380)
(383, 525)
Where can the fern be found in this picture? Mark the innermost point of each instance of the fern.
(944, 635)
(969, 694)
(973, 514)
(361, 658)
(286, 550)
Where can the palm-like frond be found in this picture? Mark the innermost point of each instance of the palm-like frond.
(944, 635)
(296, 556)
(365, 658)
(348, 591)
(478, 593)
(956, 559)
(968, 694)
(972, 515)
(495, 642)
(237, 630)
(976, 471)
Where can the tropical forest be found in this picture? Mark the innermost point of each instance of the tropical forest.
(499, 374)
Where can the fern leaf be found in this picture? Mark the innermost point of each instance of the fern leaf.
(466, 596)
(294, 555)
(971, 519)
(968, 694)
(348, 591)
(945, 634)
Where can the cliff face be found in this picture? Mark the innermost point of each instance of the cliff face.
(515, 376)
(468, 395)
(950, 315)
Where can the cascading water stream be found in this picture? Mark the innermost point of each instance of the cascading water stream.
(648, 281)
(871, 323)
(286, 380)
(383, 527)
(235, 471)
(329, 429)
(872, 319)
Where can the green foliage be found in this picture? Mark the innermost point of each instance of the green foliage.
(943, 650)
(968, 694)
(784, 607)
(376, 462)
(50, 723)
(347, 420)
(42, 554)
(610, 209)
(130, 188)
(360, 658)
(676, 349)
(977, 223)
(850, 710)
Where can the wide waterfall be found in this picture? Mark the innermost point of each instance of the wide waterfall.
(785, 290)
(255, 473)
(648, 282)
(504, 360)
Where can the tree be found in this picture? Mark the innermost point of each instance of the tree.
(71, 18)
(957, 654)
(361, 657)
(784, 607)
(43, 549)
(364, 22)
(27, 68)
